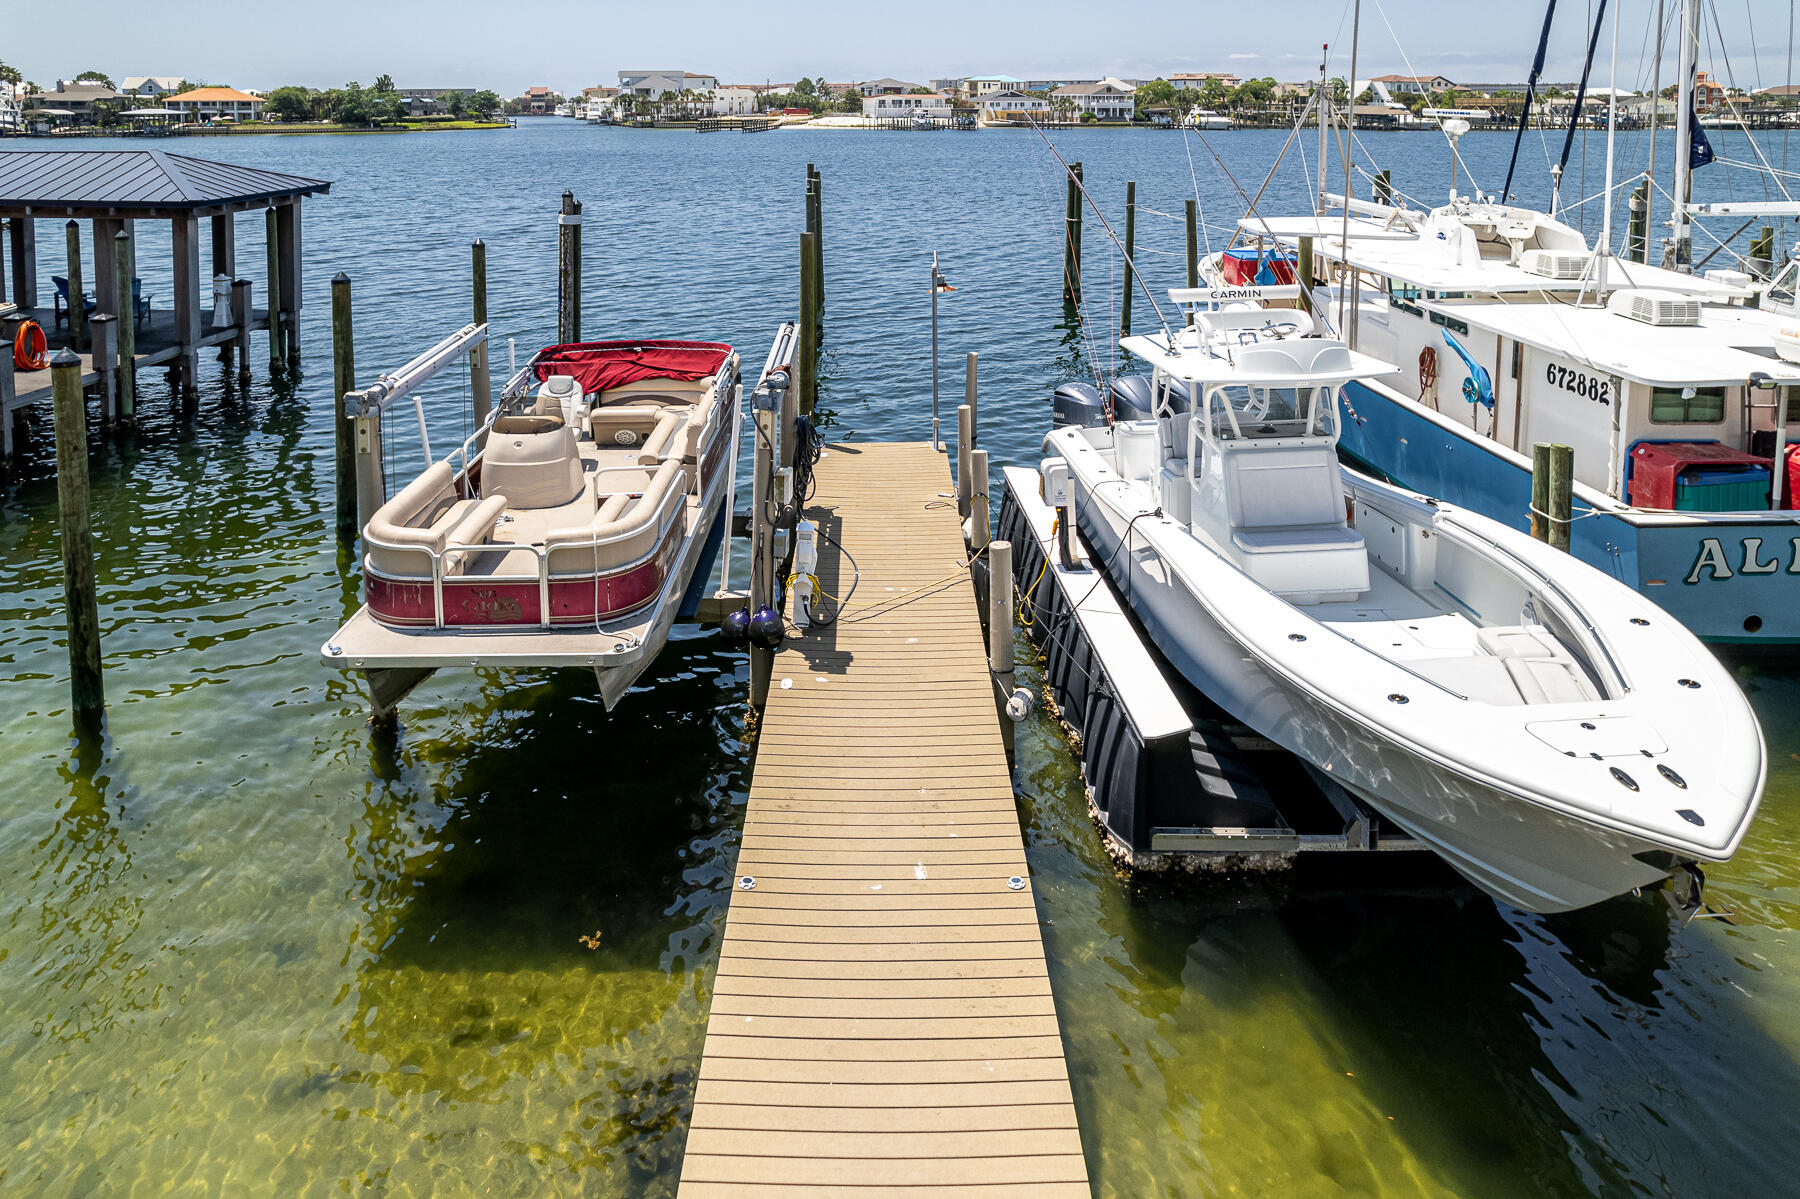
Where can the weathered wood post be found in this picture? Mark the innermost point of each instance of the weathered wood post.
(815, 223)
(126, 311)
(1303, 274)
(184, 233)
(86, 692)
(78, 334)
(103, 349)
(9, 393)
(224, 262)
(1193, 244)
(240, 319)
(1637, 227)
(806, 351)
(1384, 188)
(965, 442)
(1130, 256)
(1552, 493)
(971, 392)
(1000, 607)
(481, 384)
(287, 229)
(1072, 238)
(343, 380)
(568, 270)
(1761, 261)
(24, 262)
(272, 297)
(978, 500)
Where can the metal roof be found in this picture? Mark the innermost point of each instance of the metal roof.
(92, 182)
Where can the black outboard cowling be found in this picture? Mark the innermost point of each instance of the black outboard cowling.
(1132, 398)
(1079, 404)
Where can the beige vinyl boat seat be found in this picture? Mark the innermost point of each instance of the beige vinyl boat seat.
(625, 521)
(634, 424)
(535, 469)
(1542, 670)
(428, 514)
(656, 392)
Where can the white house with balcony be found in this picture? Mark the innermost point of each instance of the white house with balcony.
(929, 104)
(655, 83)
(216, 103)
(1010, 104)
(149, 87)
(1109, 100)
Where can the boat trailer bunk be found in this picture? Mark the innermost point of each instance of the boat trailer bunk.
(1174, 784)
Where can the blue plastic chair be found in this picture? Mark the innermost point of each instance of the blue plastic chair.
(140, 302)
(59, 304)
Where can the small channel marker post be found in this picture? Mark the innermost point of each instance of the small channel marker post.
(568, 270)
(343, 380)
(86, 693)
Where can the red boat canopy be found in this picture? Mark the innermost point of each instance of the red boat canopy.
(603, 365)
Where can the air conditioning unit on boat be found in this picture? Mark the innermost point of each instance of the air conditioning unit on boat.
(1655, 307)
(1555, 264)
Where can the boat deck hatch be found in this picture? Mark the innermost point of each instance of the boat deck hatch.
(1600, 737)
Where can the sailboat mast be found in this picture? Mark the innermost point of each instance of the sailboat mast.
(1655, 124)
(1324, 123)
(1612, 126)
(1685, 79)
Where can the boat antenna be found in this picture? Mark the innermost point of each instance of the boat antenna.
(1324, 120)
(1349, 278)
(1537, 69)
(1562, 164)
(1137, 276)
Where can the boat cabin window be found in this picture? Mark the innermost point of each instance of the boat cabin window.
(1669, 406)
(1400, 289)
(1247, 412)
(1790, 404)
(1781, 291)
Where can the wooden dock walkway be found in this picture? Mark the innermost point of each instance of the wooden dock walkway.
(882, 1021)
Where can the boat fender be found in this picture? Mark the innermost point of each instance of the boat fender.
(1020, 704)
(766, 628)
(736, 626)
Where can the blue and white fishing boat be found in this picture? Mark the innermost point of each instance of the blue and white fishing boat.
(1678, 391)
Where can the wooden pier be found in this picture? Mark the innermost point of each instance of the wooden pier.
(882, 1020)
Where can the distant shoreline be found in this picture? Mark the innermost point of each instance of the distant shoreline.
(301, 130)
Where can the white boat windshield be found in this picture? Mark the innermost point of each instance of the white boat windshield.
(1251, 411)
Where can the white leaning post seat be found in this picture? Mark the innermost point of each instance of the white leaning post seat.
(1288, 531)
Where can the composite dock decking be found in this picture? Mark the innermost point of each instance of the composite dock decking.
(882, 1022)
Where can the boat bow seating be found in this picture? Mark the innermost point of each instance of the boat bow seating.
(423, 519)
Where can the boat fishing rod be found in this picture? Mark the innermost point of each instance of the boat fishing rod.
(1136, 275)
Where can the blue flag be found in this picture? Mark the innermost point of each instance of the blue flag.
(1700, 151)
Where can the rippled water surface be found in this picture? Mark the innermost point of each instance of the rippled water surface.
(247, 947)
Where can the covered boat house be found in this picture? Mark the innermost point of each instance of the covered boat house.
(113, 190)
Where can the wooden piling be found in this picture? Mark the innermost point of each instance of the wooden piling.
(965, 441)
(1000, 607)
(287, 234)
(815, 225)
(1071, 292)
(568, 270)
(806, 350)
(1384, 188)
(126, 389)
(762, 548)
(979, 524)
(1761, 262)
(1130, 253)
(277, 341)
(240, 320)
(1637, 226)
(9, 394)
(343, 380)
(1193, 243)
(103, 350)
(86, 691)
(970, 396)
(1552, 493)
(1303, 274)
(189, 306)
(481, 383)
(78, 334)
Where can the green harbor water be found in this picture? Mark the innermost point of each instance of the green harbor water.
(250, 947)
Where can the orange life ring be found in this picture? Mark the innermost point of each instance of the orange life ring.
(30, 348)
(1427, 368)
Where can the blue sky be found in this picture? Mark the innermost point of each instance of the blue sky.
(508, 46)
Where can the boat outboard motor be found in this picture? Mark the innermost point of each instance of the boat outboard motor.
(1132, 398)
(1079, 404)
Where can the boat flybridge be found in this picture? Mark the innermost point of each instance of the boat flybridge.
(1554, 736)
(1679, 397)
(567, 531)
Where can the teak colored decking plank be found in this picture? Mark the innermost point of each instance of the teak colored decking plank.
(882, 1021)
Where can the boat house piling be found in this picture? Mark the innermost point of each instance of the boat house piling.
(1071, 290)
(343, 381)
(113, 190)
(1130, 251)
(568, 270)
(86, 690)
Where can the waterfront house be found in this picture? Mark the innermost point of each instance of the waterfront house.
(1707, 92)
(736, 99)
(150, 87)
(655, 83)
(537, 100)
(1009, 104)
(1410, 85)
(429, 101)
(216, 103)
(1050, 85)
(70, 101)
(885, 87)
(981, 86)
(1108, 100)
(1182, 80)
(888, 107)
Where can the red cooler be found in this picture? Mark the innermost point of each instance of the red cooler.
(1699, 476)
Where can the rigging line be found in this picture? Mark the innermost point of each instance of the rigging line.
(1788, 85)
(1081, 185)
(1407, 59)
(1199, 208)
(1537, 69)
(1739, 117)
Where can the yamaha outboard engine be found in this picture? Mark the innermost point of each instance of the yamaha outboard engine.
(1079, 404)
(1131, 397)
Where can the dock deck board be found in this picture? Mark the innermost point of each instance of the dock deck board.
(882, 1018)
